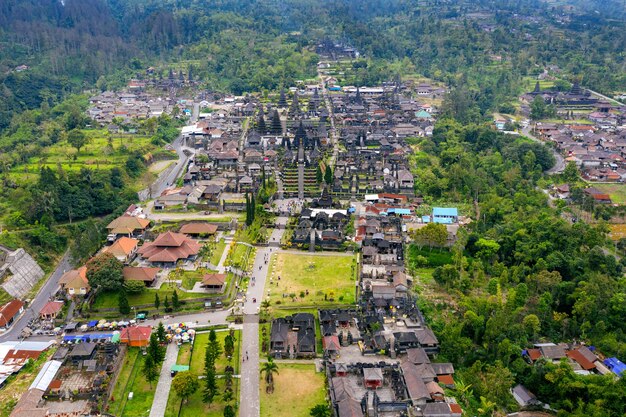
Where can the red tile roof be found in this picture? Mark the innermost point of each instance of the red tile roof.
(213, 279)
(51, 307)
(10, 310)
(140, 274)
(137, 333)
(169, 247)
(198, 228)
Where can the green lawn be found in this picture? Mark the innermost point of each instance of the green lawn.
(194, 406)
(329, 279)
(217, 252)
(200, 343)
(132, 380)
(617, 192)
(109, 299)
(291, 398)
(241, 256)
(191, 277)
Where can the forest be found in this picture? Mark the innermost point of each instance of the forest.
(519, 273)
(256, 45)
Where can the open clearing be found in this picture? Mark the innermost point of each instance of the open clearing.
(297, 389)
(328, 278)
(617, 192)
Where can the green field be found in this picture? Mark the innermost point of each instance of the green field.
(109, 299)
(241, 256)
(191, 277)
(95, 155)
(200, 343)
(329, 279)
(194, 406)
(617, 192)
(218, 250)
(132, 380)
(291, 399)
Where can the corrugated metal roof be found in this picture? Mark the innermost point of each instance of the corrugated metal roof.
(46, 375)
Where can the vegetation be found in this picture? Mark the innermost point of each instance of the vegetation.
(309, 392)
(312, 279)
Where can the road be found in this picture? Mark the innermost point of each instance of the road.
(47, 290)
(333, 130)
(559, 165)
(605, 97)
(250, 402)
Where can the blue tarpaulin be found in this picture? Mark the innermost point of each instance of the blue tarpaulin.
(615, 365)
(92, 323)
(84, 337)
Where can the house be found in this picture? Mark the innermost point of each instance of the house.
(214, 282)
(445, 215)
(123, 249)
(144, 274)
(331, 345)
(82, 351)
(417, 392)
(293, 336)
(75, 282)
(51, 310)
(427, 340)
(198, 229)
(373, 378)
(128, 226)
(168, 248)
(9, 311)
(138, 336)
(524, 397)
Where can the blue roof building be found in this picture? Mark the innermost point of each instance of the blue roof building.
(445, 215)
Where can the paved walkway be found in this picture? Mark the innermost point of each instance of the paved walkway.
(220, 266)
(250, 403)
(165, 382)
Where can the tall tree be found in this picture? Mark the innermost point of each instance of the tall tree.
(104, 272)
(328, 175)
(122, 303)
(157, 300)
(150, 369)
(160, 333)
(185, 384)
(175, 300)
(155, 350)
(269, 368)
(77, 139)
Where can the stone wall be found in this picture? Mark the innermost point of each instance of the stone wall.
(20, 272)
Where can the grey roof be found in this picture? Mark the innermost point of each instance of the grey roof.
(443, 368)
(417, 356)
(83, 349)
(524, 395)
(373, 374)
(426, 336)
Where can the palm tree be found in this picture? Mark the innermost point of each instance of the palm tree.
(269, 369)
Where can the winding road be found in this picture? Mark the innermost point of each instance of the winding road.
(559, 164)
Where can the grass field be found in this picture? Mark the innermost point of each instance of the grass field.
(109, 300)
(96, 154)
(617, 192)
(325, 277)
(194, 406)
(217, 252)
(132, 380)
(199, 348)
(191, 277)
(241, 256)
(291, 399)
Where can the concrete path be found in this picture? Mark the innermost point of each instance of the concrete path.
(165, 382)
(250, 403)
(220, 266)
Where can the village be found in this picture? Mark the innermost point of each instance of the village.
(284, 223)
